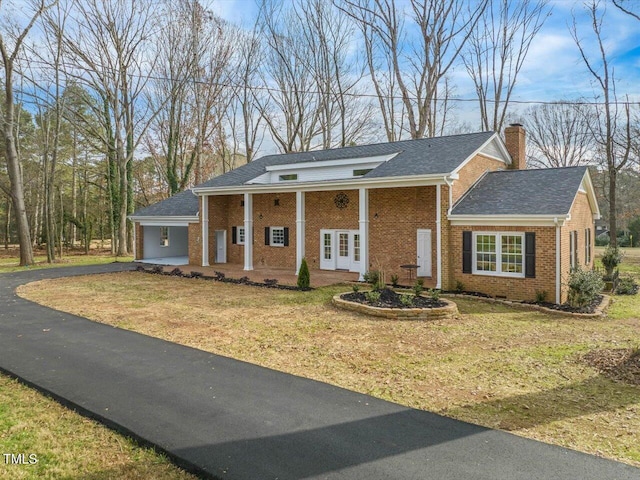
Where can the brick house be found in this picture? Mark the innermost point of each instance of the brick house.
(463, 209)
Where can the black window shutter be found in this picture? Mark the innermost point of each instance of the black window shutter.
(266, 235)
(530, 255)
(234, 235)
(286, 236)
(467, 252)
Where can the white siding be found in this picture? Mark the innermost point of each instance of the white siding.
(178, 242)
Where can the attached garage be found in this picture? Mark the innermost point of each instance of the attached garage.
(162, 230)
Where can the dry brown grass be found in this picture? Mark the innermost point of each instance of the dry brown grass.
(515, 370)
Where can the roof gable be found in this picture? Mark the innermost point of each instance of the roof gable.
(549, 192)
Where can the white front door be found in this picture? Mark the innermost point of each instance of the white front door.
(423, 259)
(221, 246)
(343, 261)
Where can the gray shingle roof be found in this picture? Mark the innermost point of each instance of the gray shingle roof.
(438, 155)
(522, 192)
(181, 204)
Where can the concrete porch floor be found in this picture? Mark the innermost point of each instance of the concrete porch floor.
(285, 276)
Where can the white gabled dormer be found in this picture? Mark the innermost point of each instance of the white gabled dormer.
(320, 170)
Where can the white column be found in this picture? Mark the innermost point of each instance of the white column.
(438, 237)
(363, 222)
(248, 231)
(300, 225)
(205, 231)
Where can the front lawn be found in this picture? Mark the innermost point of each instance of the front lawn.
(10, 259)
(496, 366)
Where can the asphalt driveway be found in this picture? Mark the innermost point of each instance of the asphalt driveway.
(223, 418)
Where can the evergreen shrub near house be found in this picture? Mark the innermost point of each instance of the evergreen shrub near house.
(627, 286)
(304, 278)
(584, 287)
(418, 287)
(611, 258)
(602, 240)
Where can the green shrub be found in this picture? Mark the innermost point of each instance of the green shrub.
(611, 258)
(627, 286)
(434, 294)
(584, 287)
(406, 300)
(375, 278)
(602, 240)
(418, 287)
(541, 296)
(459, 286)
(373, 296)
(355, 287)
(304, 278)
(394, 280)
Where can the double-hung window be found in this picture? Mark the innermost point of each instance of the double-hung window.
(499, 253)
(240, 233)
(587, 246)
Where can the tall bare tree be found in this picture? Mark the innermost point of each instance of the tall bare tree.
(627, 7)
(11, 43)
(418, 53)
(611, 124)
(559, 134)
(107, 51)
(496, 51)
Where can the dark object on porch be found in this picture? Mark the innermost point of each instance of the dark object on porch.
(411, 269)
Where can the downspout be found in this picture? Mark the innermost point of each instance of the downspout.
(438, 237)
(558, 259)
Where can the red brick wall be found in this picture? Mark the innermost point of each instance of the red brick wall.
(581, 219)
(139, 241)
(282, 215)
(194, 234)
(472, 171)
(393, 234)
(321, 212)
(513, 288)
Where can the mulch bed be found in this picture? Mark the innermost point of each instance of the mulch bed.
(565, 307)
(617, 363)
(391, 299)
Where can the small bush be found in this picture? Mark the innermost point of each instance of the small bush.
(244, 280)
(627, 286)
(434, 294)
(459, 286)
(584, 287)
(355, 287)
(271, 281)
(304, 278)
(219, 275)
(406, 300)
(541, 296)
(602, 240)
(372, 277)
(394, 280)
(373, 296)
(611, 258)
(418, 287)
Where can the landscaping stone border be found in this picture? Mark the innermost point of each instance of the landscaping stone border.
(448, 311)
(599, 313)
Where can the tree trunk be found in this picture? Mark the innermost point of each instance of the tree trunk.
(7, 225)
(15, 177)
(613, 224)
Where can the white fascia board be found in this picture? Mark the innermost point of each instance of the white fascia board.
(347, 184)
(183, 221)
(478, 151)
(587, 185)
(331, 163)
(508, 220)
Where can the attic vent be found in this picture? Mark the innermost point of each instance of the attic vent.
(288, 177)
(361, 172)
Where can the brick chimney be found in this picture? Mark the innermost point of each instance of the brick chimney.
(514, 138)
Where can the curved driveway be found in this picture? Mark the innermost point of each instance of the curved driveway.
(228, 419)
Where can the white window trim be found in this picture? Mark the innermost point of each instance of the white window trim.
(498, 272)
(165, 243)
(240, 228)
(271, 240)
(573, 263)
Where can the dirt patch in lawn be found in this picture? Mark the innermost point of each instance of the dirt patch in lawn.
(492, 365)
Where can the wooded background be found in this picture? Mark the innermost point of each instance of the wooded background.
(110, 105)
